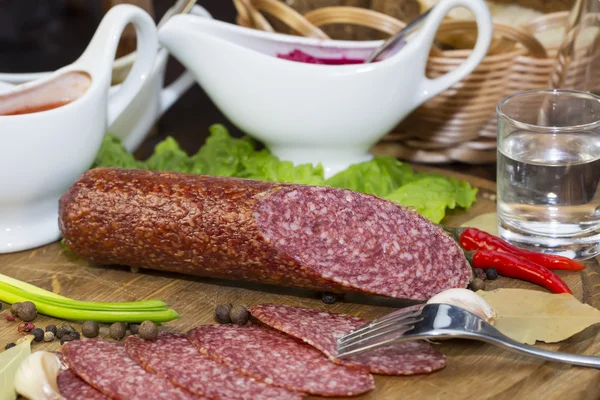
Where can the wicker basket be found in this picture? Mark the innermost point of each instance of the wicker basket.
(460, 123)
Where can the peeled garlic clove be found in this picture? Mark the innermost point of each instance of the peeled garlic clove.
(36, 376)
(468, 300)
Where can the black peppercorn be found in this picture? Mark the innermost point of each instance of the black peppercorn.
(9, 345)
(329, 298)
(117, 330)
(60, 332)
(134, 328)
(27, 311)
(479, 273)
(38, 334)
(148, 330)
(239, 315)
(477, 284)
(52, 328)
(491, 274)
(222, 313)
(90, 329)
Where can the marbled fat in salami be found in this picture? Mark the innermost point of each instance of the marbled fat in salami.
(321, 329)
(312, 237)
(107, 367)
(276, 358)
(173, 357)
(72, 387)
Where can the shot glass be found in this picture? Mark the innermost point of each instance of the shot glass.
(548, 172)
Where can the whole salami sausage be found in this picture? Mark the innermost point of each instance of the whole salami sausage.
(321, 329)
(312, 237)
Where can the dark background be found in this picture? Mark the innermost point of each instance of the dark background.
(38, 35)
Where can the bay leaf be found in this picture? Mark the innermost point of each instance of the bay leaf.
(528, 316)
(9, 363)
(487, 222)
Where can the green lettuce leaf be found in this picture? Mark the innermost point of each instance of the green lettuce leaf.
(431, 194)
(168, 156)
(113, 154)
(379, 176)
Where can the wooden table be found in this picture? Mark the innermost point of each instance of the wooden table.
(474, 370)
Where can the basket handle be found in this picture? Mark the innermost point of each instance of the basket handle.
(356, 16)
(281, 11)
(426, 35)
(520, 35)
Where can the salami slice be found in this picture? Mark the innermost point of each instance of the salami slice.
(313, 237)
(173, 357)
(107, 367)
(276, 358)
(321, 329)
(73, 388)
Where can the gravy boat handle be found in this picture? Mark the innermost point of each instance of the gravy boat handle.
(426, 35)
(99, 56)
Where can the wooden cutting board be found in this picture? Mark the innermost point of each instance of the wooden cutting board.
(474, 370)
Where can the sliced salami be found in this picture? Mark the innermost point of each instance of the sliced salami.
(321, 329)
(107, 367)
(313, 237)
(71, 387)
(173, 357)
(276, 358)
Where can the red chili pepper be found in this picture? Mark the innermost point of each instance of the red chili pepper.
(513, 266)
(472, 239)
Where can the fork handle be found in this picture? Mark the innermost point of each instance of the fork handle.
(516, 347)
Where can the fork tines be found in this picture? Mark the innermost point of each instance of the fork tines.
(380, 332)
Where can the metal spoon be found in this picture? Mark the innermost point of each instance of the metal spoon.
(398, 36)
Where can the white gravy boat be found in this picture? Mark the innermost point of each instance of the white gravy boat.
(42, 153)
(134, 124)
(332, 114)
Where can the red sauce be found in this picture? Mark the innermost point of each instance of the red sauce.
(35, 109)
(300, 56)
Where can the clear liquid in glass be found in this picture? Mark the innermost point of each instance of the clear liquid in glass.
(549, 192)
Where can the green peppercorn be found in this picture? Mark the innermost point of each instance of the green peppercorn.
(239, 315)
(90, 329)
(222, 313)
(491, 273)
(148, 330)
(52, 328)
(27, 312)
(38, 334)
(9, 345)
(117, 330)
(477, 284)
(134, 328)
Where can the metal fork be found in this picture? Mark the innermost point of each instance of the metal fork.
(442, 321)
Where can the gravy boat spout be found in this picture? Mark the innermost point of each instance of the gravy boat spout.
(329, 114)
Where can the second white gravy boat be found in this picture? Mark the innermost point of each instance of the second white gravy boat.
(309, 113)
(43, 150)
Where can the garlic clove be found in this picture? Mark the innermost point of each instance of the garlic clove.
(468, 300)
(36, 378)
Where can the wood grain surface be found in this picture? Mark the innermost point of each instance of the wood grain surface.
(474, 370)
